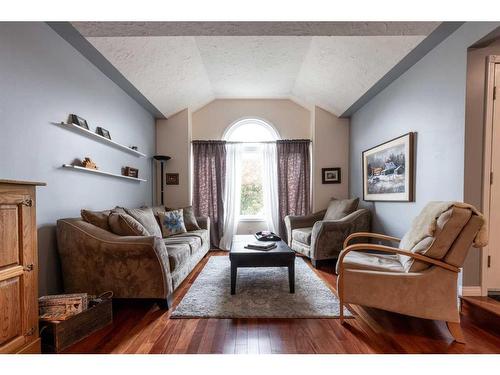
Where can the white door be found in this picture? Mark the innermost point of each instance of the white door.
(493, 271)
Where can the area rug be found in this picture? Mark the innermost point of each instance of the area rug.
(260, 293)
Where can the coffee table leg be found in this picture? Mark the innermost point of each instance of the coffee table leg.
(291, 277)
(234, 271)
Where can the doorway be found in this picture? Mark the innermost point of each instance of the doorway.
(491, 196)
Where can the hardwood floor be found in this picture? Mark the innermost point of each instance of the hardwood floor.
(141, 327)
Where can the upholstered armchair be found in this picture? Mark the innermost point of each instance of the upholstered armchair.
(418, 277)
(321, 235)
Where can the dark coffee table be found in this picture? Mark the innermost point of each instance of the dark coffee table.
(281, 256)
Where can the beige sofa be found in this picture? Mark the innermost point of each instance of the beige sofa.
(95, 260)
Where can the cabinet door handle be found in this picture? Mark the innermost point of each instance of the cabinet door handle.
(27, 202)
(29, 268)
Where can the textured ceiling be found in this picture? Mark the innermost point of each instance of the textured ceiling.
(176, 72)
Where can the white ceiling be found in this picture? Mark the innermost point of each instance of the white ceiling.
(176, 72)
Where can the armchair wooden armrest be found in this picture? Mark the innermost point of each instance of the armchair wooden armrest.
(393, 250)
(372, 235)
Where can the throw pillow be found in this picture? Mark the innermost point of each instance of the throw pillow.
(97, 218)
(123, 224)
(340, 208)
(189, 218)
(146, 218)
(172, 222)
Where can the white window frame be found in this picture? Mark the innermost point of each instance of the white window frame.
(250, 147)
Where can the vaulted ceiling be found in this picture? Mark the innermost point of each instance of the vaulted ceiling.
(176, 65)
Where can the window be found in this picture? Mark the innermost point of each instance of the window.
(250, 132)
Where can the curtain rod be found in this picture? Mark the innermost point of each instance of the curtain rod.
(236, 142)
(254, 142)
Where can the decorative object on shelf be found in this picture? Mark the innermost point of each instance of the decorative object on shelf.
(103, 132)
(388, 170)
(172, 178)
(161, 159)
(89, 164)
(82, 169)
(77, 120)
(135, 148)
(62, 306)
(131, 172)
(97, 137)
(330, 176)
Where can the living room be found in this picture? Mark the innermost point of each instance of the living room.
(301, 185)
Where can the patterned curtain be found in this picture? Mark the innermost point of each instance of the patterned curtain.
(294, 176)
(209, 175)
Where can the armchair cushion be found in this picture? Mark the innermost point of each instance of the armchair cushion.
(448, 226)
(371, 262)
(340, 208)
(302, 235)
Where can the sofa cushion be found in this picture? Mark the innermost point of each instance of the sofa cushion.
(340, 208)
(372, 262)
(194, 242)
(172, 222)
(146, 218)
(202, 234)
(302, 235)
(156, 210)
(123, 224)
(97, 218)
(190, 221)
(178, 255)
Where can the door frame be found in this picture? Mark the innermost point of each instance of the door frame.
(487, 164)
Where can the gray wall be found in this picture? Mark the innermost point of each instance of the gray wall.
(42, 80)
(430, 100)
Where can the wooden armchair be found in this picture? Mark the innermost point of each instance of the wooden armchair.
(420, 281)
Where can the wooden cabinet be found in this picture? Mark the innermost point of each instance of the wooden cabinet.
(18, 268)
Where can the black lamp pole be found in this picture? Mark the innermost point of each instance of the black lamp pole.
(162, 159)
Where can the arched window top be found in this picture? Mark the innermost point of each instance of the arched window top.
(250, 130)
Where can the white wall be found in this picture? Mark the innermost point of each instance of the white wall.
(290, 119)
(173, 138)
(42, 80)
(330, 150)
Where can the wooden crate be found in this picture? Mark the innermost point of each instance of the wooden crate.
(57, 336)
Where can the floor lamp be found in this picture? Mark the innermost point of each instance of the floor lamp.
(161, 159)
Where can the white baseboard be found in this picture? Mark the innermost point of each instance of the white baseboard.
(471, 291)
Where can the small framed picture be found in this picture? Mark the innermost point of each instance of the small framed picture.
(330, 175)
(77, 120)
(103, 132)
(172, 178)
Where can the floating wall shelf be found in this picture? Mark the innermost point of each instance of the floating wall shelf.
(100, 138)
(96, 171)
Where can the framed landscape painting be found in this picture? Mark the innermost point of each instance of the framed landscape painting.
(388, 170)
